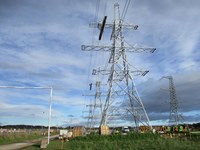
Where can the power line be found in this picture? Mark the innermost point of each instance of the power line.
(125, 10)
(105, 8)
(97, 10)
(92, 57)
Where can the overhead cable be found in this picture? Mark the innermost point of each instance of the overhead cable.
(125, 10)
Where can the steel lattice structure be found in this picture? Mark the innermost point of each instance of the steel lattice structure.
(174, 117)
(95, 107)
(122, 100)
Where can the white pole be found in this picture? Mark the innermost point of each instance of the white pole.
(50, 106)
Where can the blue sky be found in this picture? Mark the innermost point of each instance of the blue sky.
(40, 45)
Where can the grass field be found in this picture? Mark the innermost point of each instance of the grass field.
(7, 138)
(123, 142)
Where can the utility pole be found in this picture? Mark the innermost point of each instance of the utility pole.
(120, 81)
(174, 116)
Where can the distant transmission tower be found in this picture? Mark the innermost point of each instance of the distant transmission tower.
(122, 99)
(95, 106)
(174, 117)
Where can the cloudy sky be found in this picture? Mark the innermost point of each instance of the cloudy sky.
(40, 45)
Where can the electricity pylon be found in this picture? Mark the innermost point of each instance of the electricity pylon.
(95, 106)
(174, 116)
(120, 82)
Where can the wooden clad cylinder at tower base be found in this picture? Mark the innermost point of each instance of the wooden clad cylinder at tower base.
(104, 130)
(78, 131)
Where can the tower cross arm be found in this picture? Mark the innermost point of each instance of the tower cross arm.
(109, 48)
(96, 48)
(140, 49)
(110, 25)
(140, 72)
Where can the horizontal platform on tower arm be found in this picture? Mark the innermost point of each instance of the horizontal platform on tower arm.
(110, 48)
(110, 25)
(107, 72)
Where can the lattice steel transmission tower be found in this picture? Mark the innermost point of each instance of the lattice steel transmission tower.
(122, 100)
(95, 106)
(174, 116)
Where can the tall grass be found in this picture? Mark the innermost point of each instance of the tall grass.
(131, 141)
(123, 142)
(7, 138)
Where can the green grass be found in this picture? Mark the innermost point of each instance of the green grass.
(122, 142)
(7, 138)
